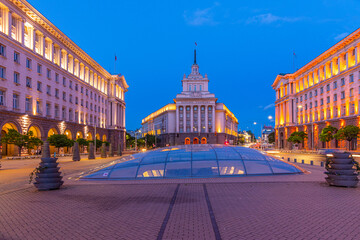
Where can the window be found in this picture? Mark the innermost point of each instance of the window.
(2, 98)
(28, 63)
(48, 90)
(39, 86)
(321, 102)
(64, 81)
(351, 78)
(2, 72)
(76, 87)
(17, 57)
(28, 82)
(82, 102)
(328, 87)
(56, 111)
(16, 78)
(86, 104)
(351, 92)
(335, 84)
(2, 50)
(311, 105)
(305, 106)
(15, 101)
(315, 93)
(70, 84)
(87, 92)
(316, 103)
(57, 77)
(39, 69)
(342, 94)
(189, 88)
(342, 82)
(48, 109)
(48, 73)
(70, 114)
(335, 97)
(63, 113)
(300, 99)
(200, 86)
(305, 96)
(64, 96)
(38, 106)
(70, 98)
(91, 106)
(56, 93)
(327, 99)
(195, 88)
(28, 104)
(321, 90)
(76, 100)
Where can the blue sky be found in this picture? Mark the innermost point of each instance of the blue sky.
(242, 45)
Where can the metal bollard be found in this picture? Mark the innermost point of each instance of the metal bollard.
(311, 162)
(295, 160)
(321, 164)
(288, 159)
(303, 161)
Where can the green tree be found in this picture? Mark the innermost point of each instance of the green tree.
(271, 137)
(130, 141)
(150, 140)
(241, 139)
(253, 139)
(297, 137)
(327, 134)
(82, 142)
(98, 143)
(347, 133)
(59, 141)
(21, 140)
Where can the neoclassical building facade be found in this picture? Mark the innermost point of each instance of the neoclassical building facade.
(49, 85)
(195, 117)
(326, 91)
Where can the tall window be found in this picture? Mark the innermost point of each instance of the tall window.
(28, 82)
(56, 111)
(28, 104)
(16, 57)
(38, 87)
(16, 78)
(2, 98)
(38, 106)
(48, 73)
(351, 78)
(39, 69)
(2, 50)
(28, 63)
(48, 109)
(2, 72)
(15, 101)
(189, 88)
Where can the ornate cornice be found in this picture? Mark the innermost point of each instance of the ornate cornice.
(38, 18)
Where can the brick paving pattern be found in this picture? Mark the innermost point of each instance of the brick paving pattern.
(247, 208)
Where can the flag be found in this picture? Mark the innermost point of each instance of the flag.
(115, 58)
(195, 44)
(294, 54)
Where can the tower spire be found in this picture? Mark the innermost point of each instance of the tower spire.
(194, 56)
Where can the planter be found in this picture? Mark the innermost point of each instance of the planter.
(341, 155)
(49, 165)
(48, 186)
(342, 160)
(339, 172)
(341, 166)
(342, 183)
(342, 177)
(48, 179)
(50, 170)
(49, 160)
(48, 175)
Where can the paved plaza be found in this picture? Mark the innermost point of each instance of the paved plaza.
(267, 207)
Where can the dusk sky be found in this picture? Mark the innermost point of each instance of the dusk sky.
(242, 45)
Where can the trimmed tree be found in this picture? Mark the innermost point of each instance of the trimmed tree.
(82, 142)
(347, 133)
(59, 141)
(297, 137)
(271, 137)
(327, 134)
(21, 140)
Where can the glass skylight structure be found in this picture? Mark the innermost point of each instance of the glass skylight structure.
(194, 161)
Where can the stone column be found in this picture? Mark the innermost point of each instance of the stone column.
(9, 23)
(177, 121)
(347, 60)
(199, 118)
(214, 120)
(191, 118)
(331, 68)
(357, 54)
(339, 64)
(184, 118)
(22, 31)
(206, 118)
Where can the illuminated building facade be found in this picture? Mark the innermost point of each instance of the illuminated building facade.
(195, 117)
(49, 85)
(326, 91)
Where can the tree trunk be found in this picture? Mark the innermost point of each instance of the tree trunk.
(19, 151)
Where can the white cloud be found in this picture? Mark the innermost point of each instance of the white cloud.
(340, 36)
(201, 17)
(269, 106)
(269, 18)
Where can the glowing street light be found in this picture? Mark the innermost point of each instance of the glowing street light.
(270, 117)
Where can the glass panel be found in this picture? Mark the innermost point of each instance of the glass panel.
(279, 166)
(251, 154)
(179, 155)
(227, 153)
(231, 168)
(257, 167)
(151, 171)
(178, 169)
(127, 172)
(205, 169)
(154, 157)
(102, 174)
(203, 152)
(127, 164)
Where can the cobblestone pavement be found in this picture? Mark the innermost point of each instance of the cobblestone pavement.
(207, 209)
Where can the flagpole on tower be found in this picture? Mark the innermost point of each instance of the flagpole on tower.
(115, 64)
(294, 55)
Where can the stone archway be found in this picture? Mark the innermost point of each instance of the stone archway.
(36, 133)
(89, 136)
(204, 140)
(195, 140)
(79, 134)
(68, 134)
(104, 138)
(8, 149)
(97, 136)
(52, 131)
(187, 141)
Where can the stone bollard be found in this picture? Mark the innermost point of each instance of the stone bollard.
(47, 174)
(91, 154)
(111, 150)
(119, 150)
(103, 150)
(341, 171)
(76, 152)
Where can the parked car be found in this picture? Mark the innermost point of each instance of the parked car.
(329, 151)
